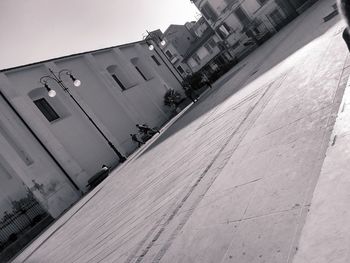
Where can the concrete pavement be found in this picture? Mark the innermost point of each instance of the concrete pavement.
(326, 234)
(230, 181)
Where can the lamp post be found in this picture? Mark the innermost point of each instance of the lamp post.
(76, 82)
(156, 40)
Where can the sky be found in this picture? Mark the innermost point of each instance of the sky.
(36, 30)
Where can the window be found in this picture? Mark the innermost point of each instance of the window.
(196, 58)
(242, 16)
(212, 43)
(120, 77)
(256, 30)
(209, 12)
(142, 68)
(208, 48)
(220, 33)
(192, 63)
(155, 60)
(180, 69)
(235, 45)
(276, 17)
(226, 27)
(46, 109)
(142, 75)
(168, 53)
(225, 30)
(121, 85)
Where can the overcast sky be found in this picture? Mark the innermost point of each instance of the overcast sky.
(35, 30)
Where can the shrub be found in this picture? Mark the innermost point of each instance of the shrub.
(172, 98)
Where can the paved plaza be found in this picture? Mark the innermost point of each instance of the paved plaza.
(232, 179)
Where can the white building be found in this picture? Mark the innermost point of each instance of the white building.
(49, 146)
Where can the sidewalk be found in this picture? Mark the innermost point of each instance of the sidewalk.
(326, 235)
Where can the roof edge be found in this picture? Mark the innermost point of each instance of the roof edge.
(68, 56)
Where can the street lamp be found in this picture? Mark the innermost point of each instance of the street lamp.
(156, 39)
(76, 82)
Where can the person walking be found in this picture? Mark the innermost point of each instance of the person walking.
(135, 139)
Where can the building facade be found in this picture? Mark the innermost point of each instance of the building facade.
(242, 25)
(166, 50)
(190, 47)
(179, 39)
(205, 50)
(48, 145)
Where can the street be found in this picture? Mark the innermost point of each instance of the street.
(232, 179)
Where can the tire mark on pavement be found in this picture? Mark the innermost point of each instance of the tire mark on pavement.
(242, 129)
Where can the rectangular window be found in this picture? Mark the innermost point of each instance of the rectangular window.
(235, 45)
(208, 48)
(180, 69)
(227, 27)
(143, 76)
(276, 17)
(225, 30)
(168, 53)
(219, 32)
(156, 60)
(46, 109)
(212, 43)
(121, 85)
(242, 16)
(196, 58)
(209, 12)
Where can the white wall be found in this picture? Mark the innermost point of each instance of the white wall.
(22, 157)
(233, 22)
(202, 53)
(250, 6)
(72, 145)
(218, 5)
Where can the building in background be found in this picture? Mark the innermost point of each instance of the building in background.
(192, 48)
(180, 36)
(179, 39)
(205, 53)
(242, 25)
(49, 147)
(165, 49)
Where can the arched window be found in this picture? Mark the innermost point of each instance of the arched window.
(119, 77)
(142, 68)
